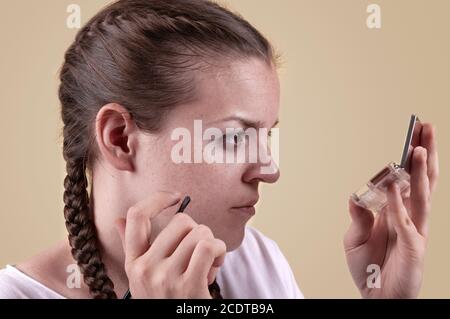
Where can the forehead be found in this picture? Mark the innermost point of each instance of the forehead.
(248, 89)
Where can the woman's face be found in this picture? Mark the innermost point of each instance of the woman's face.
(246, 94)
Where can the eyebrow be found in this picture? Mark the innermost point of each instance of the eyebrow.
(245, 122)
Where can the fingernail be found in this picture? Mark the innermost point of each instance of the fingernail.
(424, 154)
(117, 223)
(395, 186)
(172, 193)
(176, 195)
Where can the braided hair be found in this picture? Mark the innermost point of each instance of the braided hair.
(143, 55)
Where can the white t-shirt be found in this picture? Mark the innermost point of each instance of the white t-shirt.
(257, 269)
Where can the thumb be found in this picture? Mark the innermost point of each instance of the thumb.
(360, 228)
(398, 215)
(212, 274)
(120, 225)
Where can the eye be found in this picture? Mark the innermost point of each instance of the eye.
(269, 137)
(235, 139)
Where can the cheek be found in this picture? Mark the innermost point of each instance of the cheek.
(201, 180)
(211, 186)
(154, 171)
(207, 180)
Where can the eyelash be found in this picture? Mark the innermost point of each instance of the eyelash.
(241, 135)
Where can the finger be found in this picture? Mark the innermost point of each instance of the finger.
(398, 215)
(207, 254)
(428, 140)
(212, 274)
(138, 227)
(420, 190)
(360, 228)
(157, 202)
(182, 254)
(120, 225)
(170, 237)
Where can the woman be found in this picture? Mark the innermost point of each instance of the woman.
(141, 70)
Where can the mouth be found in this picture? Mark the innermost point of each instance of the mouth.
(247, 208)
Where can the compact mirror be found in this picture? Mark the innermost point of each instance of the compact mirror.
(412, 141)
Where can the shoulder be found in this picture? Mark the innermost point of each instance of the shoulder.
(8, 284)
(44, 275)
(14, 284)
(257, 269)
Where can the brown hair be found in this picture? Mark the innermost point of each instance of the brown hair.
(141, 54)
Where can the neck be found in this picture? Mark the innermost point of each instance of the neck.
(105, 211)
(116, 272)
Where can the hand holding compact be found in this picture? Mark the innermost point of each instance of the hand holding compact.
(395, 238)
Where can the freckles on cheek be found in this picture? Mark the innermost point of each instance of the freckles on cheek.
(218, 175)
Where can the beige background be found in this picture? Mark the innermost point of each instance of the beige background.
(348, 92)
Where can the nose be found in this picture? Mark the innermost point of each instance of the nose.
(266, 173)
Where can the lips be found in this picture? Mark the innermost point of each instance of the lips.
(248, 210)
(247, 207)
(248, 203)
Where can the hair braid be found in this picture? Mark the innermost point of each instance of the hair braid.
(214, 290)
(81, 228)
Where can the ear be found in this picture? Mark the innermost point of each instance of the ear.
(116, 136)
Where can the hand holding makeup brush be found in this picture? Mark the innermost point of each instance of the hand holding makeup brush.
(181, 262)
